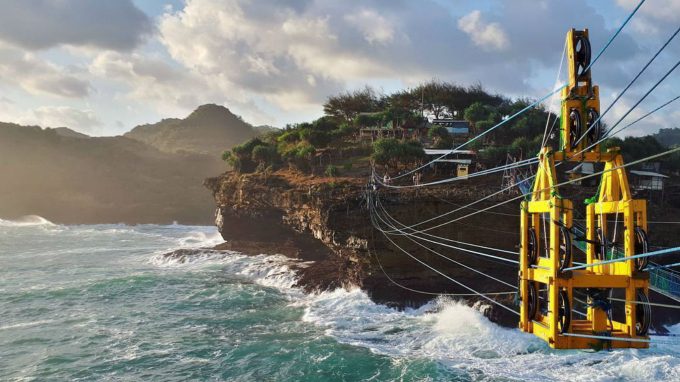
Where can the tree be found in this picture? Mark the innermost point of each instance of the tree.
(346, 106)
(476, 112)
(264, 155)
(442, 138)
(392, 152)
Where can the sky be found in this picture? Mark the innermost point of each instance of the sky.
(103, 67)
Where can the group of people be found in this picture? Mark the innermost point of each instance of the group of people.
(417, 177)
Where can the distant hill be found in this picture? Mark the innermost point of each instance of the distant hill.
(69, 177)
(66, 132)
(668, 137)
(210, 129)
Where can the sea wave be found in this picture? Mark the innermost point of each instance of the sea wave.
(450, 331)
(25, 221)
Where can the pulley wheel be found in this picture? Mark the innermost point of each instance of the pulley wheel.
(574, 127)
(602, 247)
(643, 313)
(641, 246)
(582, 54)
(565, 249)
(532, 300)
(594, 132)
(563, 312)
(532, 247)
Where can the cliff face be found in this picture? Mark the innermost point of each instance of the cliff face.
(327, 221)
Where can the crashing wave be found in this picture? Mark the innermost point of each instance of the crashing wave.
(28, 220)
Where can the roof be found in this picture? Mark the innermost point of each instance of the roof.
(648, 173)
(447, 151)
(583, 168)
(458, 123)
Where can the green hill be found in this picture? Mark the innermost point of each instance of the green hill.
(209, 129)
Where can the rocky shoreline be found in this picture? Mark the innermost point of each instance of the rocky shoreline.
(325, 224)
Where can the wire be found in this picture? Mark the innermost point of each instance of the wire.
(487, 131)
(630, 16)
(403, 233)
(646, 115)
(431, 293)
(558, 185)
(456, 262)
(450, 278)
(646, 303)
(518, 164)
(454, 247)
(640, 256)
(628, 86)
(557, 80)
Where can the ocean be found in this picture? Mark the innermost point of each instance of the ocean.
(101, 303)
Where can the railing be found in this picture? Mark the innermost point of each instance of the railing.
(662, 280)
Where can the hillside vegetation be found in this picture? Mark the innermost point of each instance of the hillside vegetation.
(69, 177)
(207, 130)
(332, 143)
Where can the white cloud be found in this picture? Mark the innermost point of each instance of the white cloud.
(375, 28)
(38, 76)
(170, 89)
(41, 24)
(486, 35)
(660, 10)
(58, 116)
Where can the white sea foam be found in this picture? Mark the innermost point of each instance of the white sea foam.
(200, 239)
(268, 270)
(28, 220)
(449, 331)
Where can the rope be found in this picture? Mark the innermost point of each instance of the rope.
(450, 278)
(431, 293)
(629, 85)
(559, 185)
(647, 115)
(533, 176)
(646, 94)
(452, 247)
(606, 338)
(403, 233)
(642, 255)
(557, 80)
(526, 162)
(646, 303)
(460, 264)
(630, 16)
(487, 131)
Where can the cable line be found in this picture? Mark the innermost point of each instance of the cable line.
(450, 278)
(597, 57)
(639, 256)
(592, 125)
(456, 262)
(630, 16)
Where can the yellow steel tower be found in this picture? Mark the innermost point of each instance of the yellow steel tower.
(547, 234)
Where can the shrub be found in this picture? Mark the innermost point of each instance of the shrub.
(331, 171)
(317, 138)
(393, 152)
(442, 138)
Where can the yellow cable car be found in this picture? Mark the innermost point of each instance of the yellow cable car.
(546, 285)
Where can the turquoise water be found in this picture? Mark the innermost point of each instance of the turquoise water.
(100, 303)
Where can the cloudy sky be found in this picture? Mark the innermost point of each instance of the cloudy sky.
(102, 67)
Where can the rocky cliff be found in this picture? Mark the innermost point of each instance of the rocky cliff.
(326, 224)
(325, 221)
